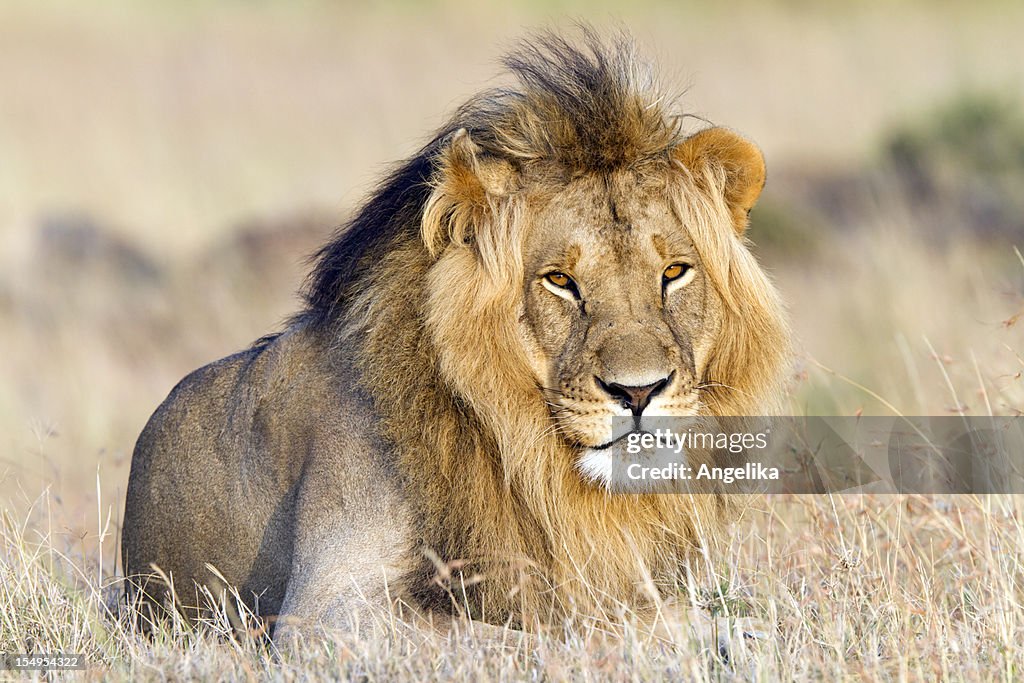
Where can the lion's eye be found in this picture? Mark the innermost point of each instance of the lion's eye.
(675, 271)
(676, 276)
(561, 284)
(559, 279)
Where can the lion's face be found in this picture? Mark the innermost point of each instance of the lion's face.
(621, 293)
(618, 312)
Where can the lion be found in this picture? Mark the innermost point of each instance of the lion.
(435, 426)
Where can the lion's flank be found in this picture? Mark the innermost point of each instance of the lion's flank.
(572, 110)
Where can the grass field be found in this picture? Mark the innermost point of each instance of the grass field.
(166, 167)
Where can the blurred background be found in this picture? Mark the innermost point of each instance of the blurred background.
(166, 167)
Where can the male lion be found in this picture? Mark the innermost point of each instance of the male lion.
(559, 254)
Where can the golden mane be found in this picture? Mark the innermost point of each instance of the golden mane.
(424, 281)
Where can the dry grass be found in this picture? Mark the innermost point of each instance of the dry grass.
(173, 123)
(852, 586)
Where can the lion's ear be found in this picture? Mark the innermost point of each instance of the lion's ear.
(469, 186)
(740, 162)
(473, 173)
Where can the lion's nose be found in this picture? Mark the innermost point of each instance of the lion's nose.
(636, 398)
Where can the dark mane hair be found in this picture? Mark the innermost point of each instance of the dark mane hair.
(572, 110)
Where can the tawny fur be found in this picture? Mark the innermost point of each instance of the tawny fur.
(422, 295)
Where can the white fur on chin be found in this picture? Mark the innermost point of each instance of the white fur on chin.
(596, 466)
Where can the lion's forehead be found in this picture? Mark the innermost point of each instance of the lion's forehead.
(607, 220)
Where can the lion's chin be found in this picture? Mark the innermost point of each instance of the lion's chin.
(596, 463)
(595, 466)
